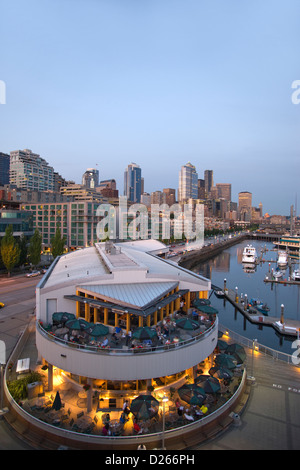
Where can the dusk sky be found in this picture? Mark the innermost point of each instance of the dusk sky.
(103, 83)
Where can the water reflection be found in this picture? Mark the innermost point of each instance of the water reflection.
(250, 280)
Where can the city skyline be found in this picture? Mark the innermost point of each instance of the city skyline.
(159, 84)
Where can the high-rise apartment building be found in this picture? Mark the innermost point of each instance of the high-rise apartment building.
(90, 178)
(133, 182)
(4, 168)
(29, 171)
(188, 183)
(209, 181)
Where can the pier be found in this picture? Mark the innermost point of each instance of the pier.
(282, 326)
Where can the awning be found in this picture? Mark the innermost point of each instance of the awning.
(122, 309)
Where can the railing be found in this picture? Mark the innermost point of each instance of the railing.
(252, 344)
(130, 351)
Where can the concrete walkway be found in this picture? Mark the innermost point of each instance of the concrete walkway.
(271, 419)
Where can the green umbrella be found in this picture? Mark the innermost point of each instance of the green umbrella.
(144, 407)
(192, 394)
(201, 302)
(187, 324)
(222, 345)
(207, 309)
(208, 383)
(225, 360)
(77, 324)
(237, 351)
(62, 317)
(221, 373)
(97, 330)
(143, 332)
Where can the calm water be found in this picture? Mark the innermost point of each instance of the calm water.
(228, 265)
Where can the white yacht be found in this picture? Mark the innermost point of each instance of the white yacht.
(296, 275)
(282, 259)
(249, 254)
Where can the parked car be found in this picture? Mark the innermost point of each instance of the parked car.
(2, 305)
(33, 274)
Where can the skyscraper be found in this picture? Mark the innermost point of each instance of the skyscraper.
(209, 181)
(133, 182)
(224, 190)
(4, 168)
(29, 171)
(90, 178)
(245, 205)
(188, 183)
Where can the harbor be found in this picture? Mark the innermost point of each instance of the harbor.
(281, 325)
(249, 280)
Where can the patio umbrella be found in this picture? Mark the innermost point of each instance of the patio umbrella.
(144, 407)
(222, 345)
(207, 309)
(237, 351)
(221, 373)
(62, 317)
(208, 383)
(192, 394)
(225, 360)
(57, 402)
(143, 332)
(77, 324)
(201, 302)
(187, 324)
(97, 330)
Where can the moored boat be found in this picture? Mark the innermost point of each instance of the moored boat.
(282, 259)
(249, 254)
(296, 275)
(219, 294)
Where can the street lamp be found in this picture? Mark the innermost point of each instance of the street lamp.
(164, 400)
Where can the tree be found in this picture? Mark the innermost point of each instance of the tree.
(10, 250)
(35, 248)
(58, 243)
(23, 249)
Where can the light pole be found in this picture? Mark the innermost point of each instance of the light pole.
(164, 400)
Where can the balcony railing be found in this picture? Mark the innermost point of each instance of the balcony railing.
(129, 351)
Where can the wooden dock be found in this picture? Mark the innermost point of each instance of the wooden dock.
(288, 328)
(282, 281)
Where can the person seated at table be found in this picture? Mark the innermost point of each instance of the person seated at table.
(204, 409)
(187, 416)
(195, 314)
(106, 418)
(105, 430)
(166, 331)
(137, 428)
(123, 418)
(177, 403)
(104, 342)
(180, 410)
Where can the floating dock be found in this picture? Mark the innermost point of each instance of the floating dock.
(282, 326)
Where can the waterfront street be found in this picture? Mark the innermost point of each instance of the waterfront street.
(18, 295)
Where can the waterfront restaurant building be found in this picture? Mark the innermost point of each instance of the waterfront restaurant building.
(124, 285)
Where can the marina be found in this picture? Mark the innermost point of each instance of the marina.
(249, 280)
(284, 327)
